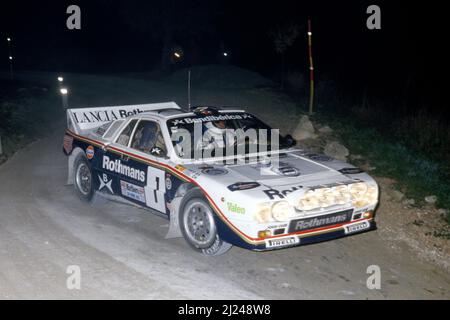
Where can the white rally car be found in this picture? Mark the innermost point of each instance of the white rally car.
(266, 199)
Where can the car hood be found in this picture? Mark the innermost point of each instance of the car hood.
(291, 168)
(288, 169)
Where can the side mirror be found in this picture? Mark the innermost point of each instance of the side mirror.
(290, 141)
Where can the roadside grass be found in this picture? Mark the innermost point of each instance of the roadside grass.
(417, 174)
(27, 110)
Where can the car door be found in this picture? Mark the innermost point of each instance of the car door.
(147, 143)
(109, 164)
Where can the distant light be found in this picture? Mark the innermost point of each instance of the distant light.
(225, 54)
(60, 79)
(64, 91)
(176, 54)
(309, 33)
(10, 57)
(8, 39)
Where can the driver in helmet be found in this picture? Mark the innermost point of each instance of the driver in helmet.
(216, 135)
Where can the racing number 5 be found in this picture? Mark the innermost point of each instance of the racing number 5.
(155, 189)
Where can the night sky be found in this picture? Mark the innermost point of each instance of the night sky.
(127, 36)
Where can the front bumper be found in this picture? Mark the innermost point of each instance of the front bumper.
(296, 238)
(312, 236)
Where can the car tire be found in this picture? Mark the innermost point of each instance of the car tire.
(83, 182)
(197, 224)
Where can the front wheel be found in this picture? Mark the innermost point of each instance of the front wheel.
(198, 226)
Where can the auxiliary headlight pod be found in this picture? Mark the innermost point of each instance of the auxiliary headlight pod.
(359, 194)
(278, 211)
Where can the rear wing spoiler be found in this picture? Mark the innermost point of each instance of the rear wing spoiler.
(81, 119)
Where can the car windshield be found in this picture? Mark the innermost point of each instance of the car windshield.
(222, 134)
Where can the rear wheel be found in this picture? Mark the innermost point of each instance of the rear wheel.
(198, 225)
(83, 178)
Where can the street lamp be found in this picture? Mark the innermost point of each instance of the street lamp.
(10, 57)
(65, 99)
(60, 82)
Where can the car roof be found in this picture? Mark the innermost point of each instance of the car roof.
(169, 113)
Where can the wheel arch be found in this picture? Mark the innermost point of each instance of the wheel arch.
(223, 230)
(71, 162)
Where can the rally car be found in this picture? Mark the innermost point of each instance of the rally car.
(267, 196)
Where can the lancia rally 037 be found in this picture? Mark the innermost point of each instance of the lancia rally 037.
(262, 198)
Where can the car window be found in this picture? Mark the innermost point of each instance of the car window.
(214, 136)
(112, 128)
(103, 128)
(125, 135)
(149, 139)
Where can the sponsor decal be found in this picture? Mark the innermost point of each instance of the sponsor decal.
(233, 207)
(90, 152)
(118, 167)
(168, 183)
(176, 122)
(132, 191)
(68, 143)
(320, 221)
(282, 242)
(156, 151)
(179, 167)
(214, 171)
(105, 182)
(280, 194)
(278, 226)
(355, 227)
(238, 186)
(350, 170)
(103, 115)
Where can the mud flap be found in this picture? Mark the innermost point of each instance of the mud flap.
(174, 226)
(70, 164)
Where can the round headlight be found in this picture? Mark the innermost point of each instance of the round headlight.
(262, 214)
(309, 201)
(282, 211)
(358, 189)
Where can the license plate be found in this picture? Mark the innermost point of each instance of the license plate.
(357, 227)
(281, 242)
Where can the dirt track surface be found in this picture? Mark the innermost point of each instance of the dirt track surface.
(122, 253)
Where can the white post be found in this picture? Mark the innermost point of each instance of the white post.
(189, 90)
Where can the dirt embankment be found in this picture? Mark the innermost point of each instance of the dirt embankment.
(400, 220)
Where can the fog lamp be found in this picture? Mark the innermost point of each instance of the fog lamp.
(368, 215)
(264, 234)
